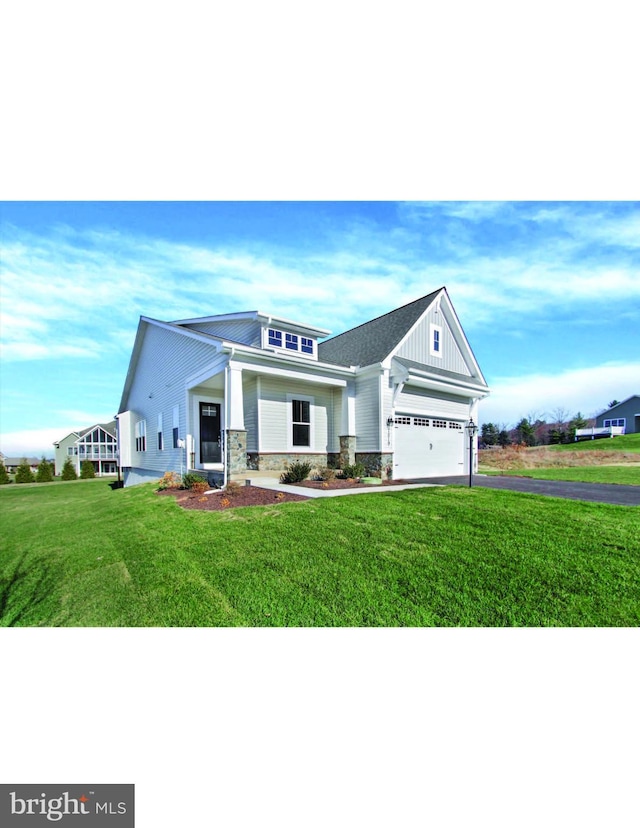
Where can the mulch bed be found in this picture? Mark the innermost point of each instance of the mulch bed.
(220, 501)
(342, 483)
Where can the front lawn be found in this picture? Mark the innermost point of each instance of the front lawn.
(625, 475)
(81, 554)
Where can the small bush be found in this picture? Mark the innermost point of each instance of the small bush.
(170, 480)
(232, 488)
(354, 471)
(295, 472)
(45, 472)
(24, 473)
(87, 470)
(4, 475)
(190, 479)
(327, 474)
(199, 487)
(68, 471)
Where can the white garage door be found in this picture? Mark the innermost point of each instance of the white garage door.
(426, 447)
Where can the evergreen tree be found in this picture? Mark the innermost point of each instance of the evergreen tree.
(526, 432)
(577, 422)
(24, 473)
(45, 472)
(504, 439)
(68, 471)
(489, 434)
(4, 475)
(87, 470)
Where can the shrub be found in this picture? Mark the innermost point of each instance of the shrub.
(45, 472)
(327, 474)
(190, 479)
(24, 473)
(170, 480)
(68, 471)
(295, 472)
(355, 470)
(232, 488)
(87, 470)
(4, 475)
(199, 486)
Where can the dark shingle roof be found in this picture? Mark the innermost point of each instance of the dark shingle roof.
(373, 341)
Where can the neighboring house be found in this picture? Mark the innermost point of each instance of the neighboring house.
(99, 444)
(12, 463)
(624, 415)
(251, 391)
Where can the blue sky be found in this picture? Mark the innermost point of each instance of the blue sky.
(547, 292)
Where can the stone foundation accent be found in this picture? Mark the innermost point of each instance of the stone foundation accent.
(236, 450)
(347, 455)
(377, 463)
(257, 461)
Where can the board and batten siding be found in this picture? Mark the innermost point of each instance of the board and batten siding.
(274, 405)
(165, 359)
(432, 403)
(247, 332)
(367, 406)
(417, 346)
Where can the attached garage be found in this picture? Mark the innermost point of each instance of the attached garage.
(428, 447)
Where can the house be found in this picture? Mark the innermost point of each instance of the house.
(11, 463)
(237, 392)
(99, 444)
(624, 415)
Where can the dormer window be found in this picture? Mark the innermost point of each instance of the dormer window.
(301, 345)
(275, 338)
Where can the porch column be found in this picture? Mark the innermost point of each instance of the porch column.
(348, 426)
(236, 435)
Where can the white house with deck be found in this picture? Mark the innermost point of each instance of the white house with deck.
(231, 393)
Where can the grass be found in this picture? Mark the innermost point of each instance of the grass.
(80, 554)
(623, 443)
(625, 475)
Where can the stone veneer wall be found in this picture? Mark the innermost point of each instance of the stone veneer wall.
(236, 444)
(347, 456)
(377, 463)
(276, 461)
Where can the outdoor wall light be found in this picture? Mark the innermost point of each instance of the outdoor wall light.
(389, 422)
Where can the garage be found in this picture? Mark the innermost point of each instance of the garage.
(427, 447)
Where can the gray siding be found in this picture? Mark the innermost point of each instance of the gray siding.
(165, 359)
(628, 410)
(368, 412)
(250, 398)
(248, 332)
(273, 425)
(417, 346)
(434, 403)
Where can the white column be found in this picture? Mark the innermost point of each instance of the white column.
(348, 419)
(234, 400)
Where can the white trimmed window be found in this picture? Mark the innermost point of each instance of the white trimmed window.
(620, 422)
(435, 340)
(160, 435)
(141, 435)
(291, 341)
(275, 338)
(306, 345)
(300, 422)
(176, 425)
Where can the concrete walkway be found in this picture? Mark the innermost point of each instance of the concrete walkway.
(591, 492)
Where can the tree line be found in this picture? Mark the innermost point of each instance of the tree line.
(537, 429)
(46, 471)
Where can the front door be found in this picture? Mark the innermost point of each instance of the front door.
(210, 450)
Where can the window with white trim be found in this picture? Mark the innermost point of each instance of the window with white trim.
(275, 338)
(621, 422)
(306, 345)
(300, 409)
(291, 341)
(176, 425)
(160, 435)
(141, 435)
(435, 340)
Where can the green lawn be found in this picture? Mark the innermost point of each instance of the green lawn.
(626, 475)
(79, 554)
(625, 442)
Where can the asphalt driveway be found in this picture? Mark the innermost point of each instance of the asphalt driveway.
(594, 492)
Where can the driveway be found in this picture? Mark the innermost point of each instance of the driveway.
(594, 492)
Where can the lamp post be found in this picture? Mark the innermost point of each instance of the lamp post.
(472, 430)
